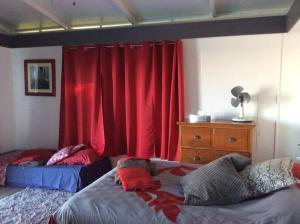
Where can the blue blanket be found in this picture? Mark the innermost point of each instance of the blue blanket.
(65, 178)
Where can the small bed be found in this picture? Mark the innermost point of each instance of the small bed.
(105, 202)
(70, 178)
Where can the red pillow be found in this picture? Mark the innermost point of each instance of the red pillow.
(296, 170)
(83, 157)
(34, 155)
(135, 178)
(296, 173)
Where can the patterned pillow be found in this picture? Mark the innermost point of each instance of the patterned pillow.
(216, 183)
(85, 156)
(64, 153)
(269, 176)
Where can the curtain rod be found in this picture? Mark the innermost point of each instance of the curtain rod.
(121, 45)
(132, 45)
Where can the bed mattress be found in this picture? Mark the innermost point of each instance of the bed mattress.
(105, 202)
(65, 178)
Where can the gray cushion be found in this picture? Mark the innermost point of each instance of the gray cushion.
(216, 183)
(269, 176)
(239, 161)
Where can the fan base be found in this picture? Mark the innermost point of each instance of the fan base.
(242, 120)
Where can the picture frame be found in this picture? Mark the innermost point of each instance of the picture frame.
(39, 77)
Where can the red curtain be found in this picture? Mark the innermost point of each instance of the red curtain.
(81, 117)
(132, 100)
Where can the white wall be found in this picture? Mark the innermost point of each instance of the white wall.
(36, 117)
(7, 125)
(268, 66)
(288, 134)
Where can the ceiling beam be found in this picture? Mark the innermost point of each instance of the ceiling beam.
(5, 29)
(293, 15)
(248, 26)
(46, 11)
(212, 7)
(5, 40)
(130, 12)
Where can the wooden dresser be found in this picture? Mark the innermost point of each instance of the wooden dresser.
(205, 141)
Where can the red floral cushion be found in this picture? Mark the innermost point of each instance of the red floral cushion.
(296, 170)
(296, 173)
(83, 157)
(135, 178)
(64, 153)
(34, 155)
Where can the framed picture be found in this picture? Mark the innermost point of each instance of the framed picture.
(39, 77)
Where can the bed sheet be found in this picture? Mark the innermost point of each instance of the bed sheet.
(105, 202)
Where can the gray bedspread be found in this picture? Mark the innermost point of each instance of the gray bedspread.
(105, 202)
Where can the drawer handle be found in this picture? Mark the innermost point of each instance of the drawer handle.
(196, 158)
(197, 137)
(231, 139)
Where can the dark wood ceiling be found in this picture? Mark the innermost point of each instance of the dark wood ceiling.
(245, 26)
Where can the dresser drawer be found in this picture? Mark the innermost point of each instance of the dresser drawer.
(225, 138)
(197, 155)
(223, 153)
(195, 137)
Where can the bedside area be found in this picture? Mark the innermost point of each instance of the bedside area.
(204, 142)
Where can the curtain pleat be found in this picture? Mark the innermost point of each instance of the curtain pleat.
(123, 99)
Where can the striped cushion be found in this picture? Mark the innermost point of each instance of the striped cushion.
(216, 183)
